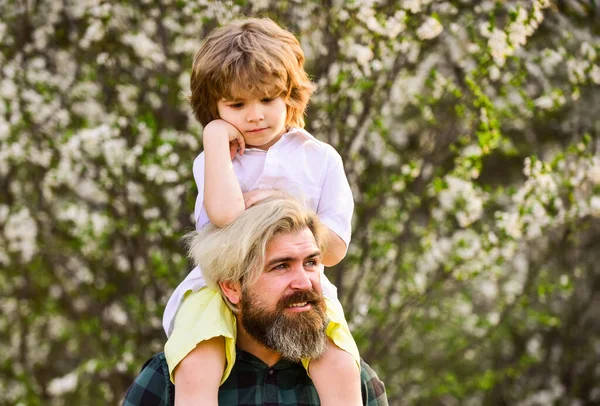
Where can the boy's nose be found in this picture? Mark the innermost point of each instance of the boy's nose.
(255, 114)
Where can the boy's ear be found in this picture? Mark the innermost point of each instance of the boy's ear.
(232, 290)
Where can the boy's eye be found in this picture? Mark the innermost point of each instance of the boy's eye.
(266, 99)
(236, 105)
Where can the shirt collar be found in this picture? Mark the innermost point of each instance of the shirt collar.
(296, 131)
(288, 136)
(244, 356)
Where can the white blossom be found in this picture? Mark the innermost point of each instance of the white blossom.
(343, 15)
(396, 24)
(576, 70)
(512, 224)
(588, 51)
(595, 206)
(552, 58)
(414, 6)
(135, 193)
(544, 102)
(363, 54)
(91, 191)
(420, 282)
(94, 33)
(151, 213)
(488, 289)
(62, 385)
(115, 153)
(144, 47)
(472, 151)
(127, 95)
(122, 263)
(594, 172)
(494, 73)
(534, 346)
(595, 74)
(461, 191)
(499, 46)
(4, 129)
(116, 314)
(517, 30)
(467, 244)
(430, 29)
(21, 232)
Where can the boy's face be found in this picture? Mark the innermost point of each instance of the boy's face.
(260, 119)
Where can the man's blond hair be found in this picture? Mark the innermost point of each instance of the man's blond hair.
(236, 252)
(250, 56)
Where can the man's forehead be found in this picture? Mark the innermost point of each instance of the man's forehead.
(301, 243)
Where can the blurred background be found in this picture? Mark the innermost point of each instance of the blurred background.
(470, 136)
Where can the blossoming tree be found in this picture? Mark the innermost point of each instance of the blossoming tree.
(469, 131)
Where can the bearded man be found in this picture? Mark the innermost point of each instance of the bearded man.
(267, 266)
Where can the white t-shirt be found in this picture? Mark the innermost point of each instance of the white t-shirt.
(298, 164)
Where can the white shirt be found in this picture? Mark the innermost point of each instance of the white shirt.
(298, 164)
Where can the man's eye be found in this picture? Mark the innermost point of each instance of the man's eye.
(312, 262)
(280, 266)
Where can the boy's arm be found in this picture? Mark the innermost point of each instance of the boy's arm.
(223, 198)
(335, 249)
(336, 206)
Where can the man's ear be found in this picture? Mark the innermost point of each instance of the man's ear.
(232, 290)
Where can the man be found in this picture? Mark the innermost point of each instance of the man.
(267, 265)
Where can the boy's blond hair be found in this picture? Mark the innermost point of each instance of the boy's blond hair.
(236, 253)
(252, 56)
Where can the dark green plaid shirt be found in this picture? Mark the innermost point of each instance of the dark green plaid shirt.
(251, 383)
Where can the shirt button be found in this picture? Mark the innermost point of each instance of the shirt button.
(270, 372)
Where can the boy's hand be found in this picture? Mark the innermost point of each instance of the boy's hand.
(218, 128)
(254, 196)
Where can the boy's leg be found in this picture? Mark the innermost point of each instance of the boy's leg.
(198, 375)
(336, 377)
(336, 374)
(201, 350)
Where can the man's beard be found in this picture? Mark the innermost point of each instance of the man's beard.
(294, 336)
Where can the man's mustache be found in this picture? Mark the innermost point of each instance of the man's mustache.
(300, 296)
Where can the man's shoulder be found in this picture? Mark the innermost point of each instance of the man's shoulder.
(373, 389)
(152, 386)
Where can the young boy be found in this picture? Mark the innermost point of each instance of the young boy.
(250, 91)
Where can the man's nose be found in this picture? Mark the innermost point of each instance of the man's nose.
(301, 279)
(255, 113)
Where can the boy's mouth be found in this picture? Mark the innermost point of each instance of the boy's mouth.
(257, 130)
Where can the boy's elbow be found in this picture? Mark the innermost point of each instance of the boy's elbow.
(334, 255)
(331, 259)
(222, 218)
(335, 250)
(222, 221)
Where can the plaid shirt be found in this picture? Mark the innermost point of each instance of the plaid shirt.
(251, 383)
